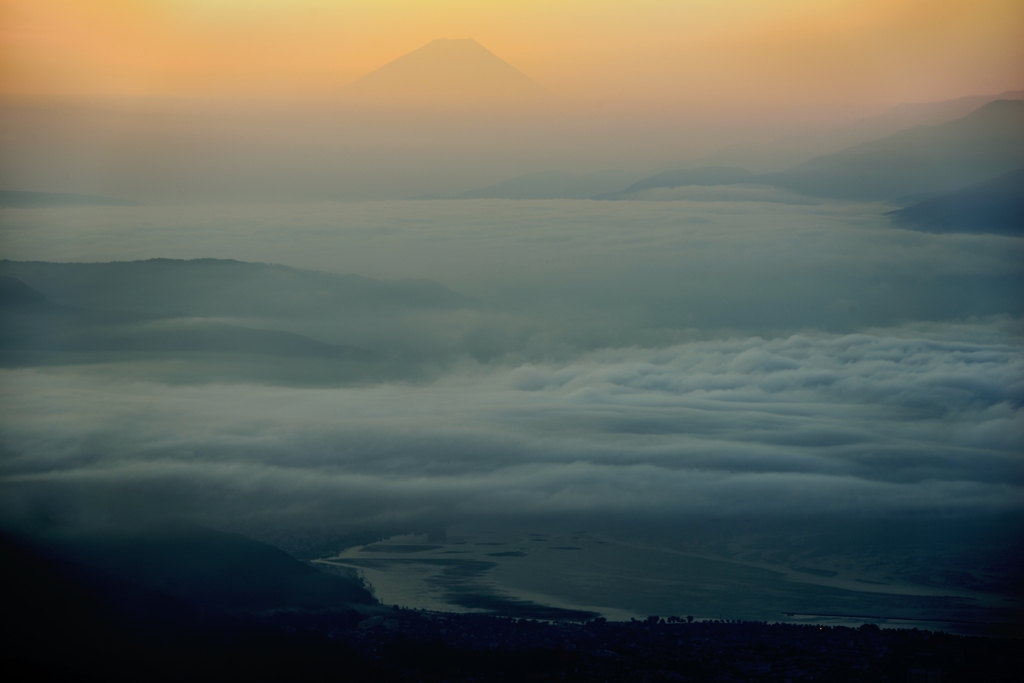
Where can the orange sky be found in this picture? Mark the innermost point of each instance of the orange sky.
(732, 53)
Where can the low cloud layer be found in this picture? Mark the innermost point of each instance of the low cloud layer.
(557, 277)
(619, 362)
(489, 245)
(898, 421)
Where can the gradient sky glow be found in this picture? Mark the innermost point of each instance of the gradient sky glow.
(657, 53)
(685, 298)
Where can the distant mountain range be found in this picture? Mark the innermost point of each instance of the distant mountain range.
(920, 160)
(923, 159)
(912, 114)
(225, 318)
(446, 72)
(795, 148)
(31, 200)
(223, 288)
(934, 155)
(705, 176)
(993, 206)
(35, 325)
(553, 185)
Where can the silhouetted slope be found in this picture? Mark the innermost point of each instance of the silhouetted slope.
(920, 160)
(552, 186)
(208, 567)
(705, 176)
(190, 604)
(33, 323)
(446, 72)
(226, 320)
(797, 147)
(16, 294)
(912, 114)
(79, 332)
(212, 287)
(32, 200)
(65, 619)
(993, 206)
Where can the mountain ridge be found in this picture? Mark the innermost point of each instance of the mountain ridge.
(924, 159)
(174, 286)
(945, 157)
(551, 185)
(992, 206)
(797, 147)
(18, 199)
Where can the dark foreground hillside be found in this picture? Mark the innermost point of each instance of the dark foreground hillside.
(68, 616)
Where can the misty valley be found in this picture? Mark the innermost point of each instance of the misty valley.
(731, 420)
(644, 373)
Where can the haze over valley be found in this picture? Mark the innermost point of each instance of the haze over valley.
(453, 332)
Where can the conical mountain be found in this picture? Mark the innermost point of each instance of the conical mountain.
(447, 72)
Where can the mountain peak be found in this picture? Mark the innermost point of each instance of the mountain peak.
(447, 72)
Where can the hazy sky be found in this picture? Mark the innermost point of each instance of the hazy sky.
(660, 54)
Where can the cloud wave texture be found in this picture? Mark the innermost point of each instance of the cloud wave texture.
(891, 422)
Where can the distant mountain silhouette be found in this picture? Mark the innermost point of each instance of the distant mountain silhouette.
(993, 206)
(30, 322)
(224, 318)
(912, 114)
(34, 200)
(705, 176)
(923, 159)
(553, 185)
(446, 72)
(216, 287)
(798, 147)
(16, 294)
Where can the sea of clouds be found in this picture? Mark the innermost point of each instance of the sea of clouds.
(868, 424)
(674, 358)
